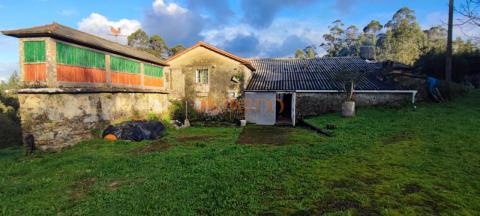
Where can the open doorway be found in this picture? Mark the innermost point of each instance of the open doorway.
(285, 109)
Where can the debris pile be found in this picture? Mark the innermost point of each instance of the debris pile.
(135, 131)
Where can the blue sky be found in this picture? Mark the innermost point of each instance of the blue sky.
(248, 28)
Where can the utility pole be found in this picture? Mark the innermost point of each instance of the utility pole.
(449, 57)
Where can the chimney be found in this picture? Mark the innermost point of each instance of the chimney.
(367, 53)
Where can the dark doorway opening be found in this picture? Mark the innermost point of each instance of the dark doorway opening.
(284, 108)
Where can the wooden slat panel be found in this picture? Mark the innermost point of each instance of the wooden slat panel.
(66, 73)
(35, 72)
(126, 79)
(152, 81)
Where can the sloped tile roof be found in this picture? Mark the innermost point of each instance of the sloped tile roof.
(214, 49)
(68, 34)
(289, 74)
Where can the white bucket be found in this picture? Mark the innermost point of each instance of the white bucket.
(243, 123)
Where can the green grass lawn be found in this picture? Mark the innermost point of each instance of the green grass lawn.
(384, 161)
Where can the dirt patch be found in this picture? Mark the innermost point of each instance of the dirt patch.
(81, 188)
(194, 138)
(398, 137)
(368, 180)
(411, 188)
(337, 205)
(264, 135)
(341, 184)
(114, 185)
(354, 181)
(157, 146)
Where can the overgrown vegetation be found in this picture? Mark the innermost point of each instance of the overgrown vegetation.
(384, 161)
(230, 114)
(465, 64)
(403, 40)
(10, 130)
(154, 45)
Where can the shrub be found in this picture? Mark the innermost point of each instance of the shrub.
(451, 90)
(10, 131)
(152, 117)
(177, 112)
(465, 64)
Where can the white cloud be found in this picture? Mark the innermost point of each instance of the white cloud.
(99, 25)
(276, 40)
(160, 7)
(177, 25)
(221, 36)
(174, 23)
(68, 12)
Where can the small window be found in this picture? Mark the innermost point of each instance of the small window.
(202, 76)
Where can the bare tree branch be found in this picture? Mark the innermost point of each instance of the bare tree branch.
(470, 11)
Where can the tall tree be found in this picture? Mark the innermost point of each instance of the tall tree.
(157, 46)
(310, 51)
(371, 31)
(436, 38)
(176, 49)
(138, 39)
(299, 54)
(13, 82)
(334, 41)
(351, 45)
(462, 47)
(403, 39)
(449, 57)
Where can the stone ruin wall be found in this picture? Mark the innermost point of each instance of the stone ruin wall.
(60, 120)
(66, 101)
(313, 104)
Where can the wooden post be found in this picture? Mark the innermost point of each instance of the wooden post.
(448, 63)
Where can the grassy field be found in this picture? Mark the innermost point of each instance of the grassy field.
(384, 161)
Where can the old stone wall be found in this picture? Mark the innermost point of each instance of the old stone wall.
(58, 120)
(312, 104)
(208, 97)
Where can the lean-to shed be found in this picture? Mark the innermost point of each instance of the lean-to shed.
(283, 90)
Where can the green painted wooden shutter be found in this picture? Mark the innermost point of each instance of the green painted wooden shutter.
(152, 70)
(76, 56)
(124, 65)
(34, 51)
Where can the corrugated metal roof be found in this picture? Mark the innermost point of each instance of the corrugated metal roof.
(290, 74)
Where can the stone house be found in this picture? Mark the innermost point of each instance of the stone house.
(276, 90)
(77, 83)
(283, 90)
(208, 76)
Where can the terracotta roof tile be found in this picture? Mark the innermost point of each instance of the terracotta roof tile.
(214, 49)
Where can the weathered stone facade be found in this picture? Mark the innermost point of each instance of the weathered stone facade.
(312, 104)
(59, 120)
(208, 97)
(74, 83)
